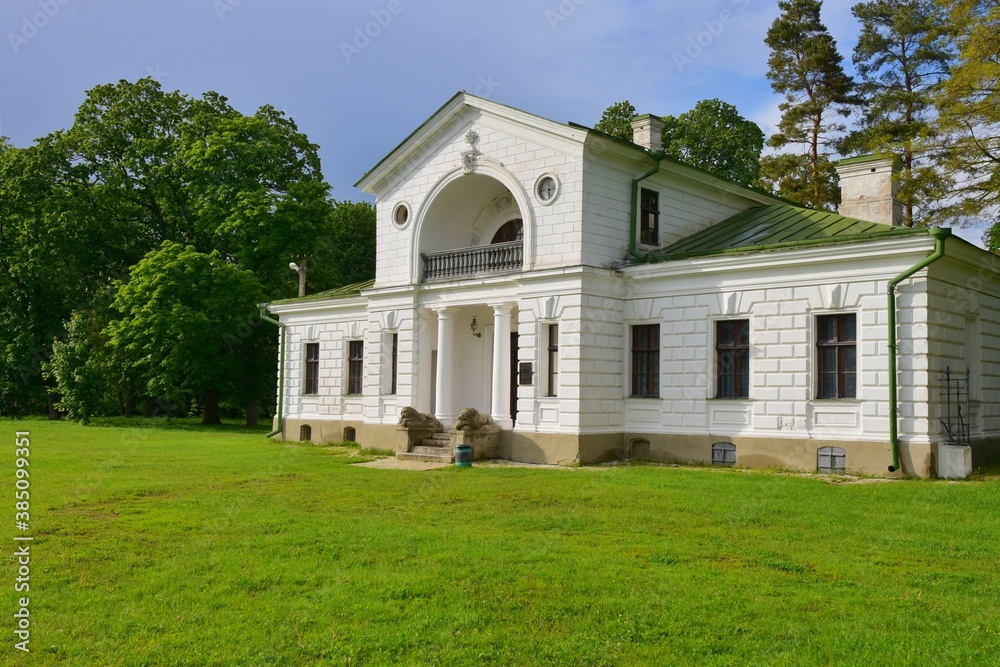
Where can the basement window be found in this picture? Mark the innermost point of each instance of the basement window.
(723, 454)
(831, 460)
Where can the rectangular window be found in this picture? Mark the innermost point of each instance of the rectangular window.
(312, 369)
(355, 366)
(393, 363)
(732, 359)
(649, 218)
(553, 360)
(836, 349)
(646, 360)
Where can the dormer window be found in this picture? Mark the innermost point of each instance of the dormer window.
(649, 218)
(512, 230)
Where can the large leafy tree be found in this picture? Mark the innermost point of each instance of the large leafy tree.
(715, 137)
(141, 166)
(902, 55)
(806, 68)
(617, 120)
(180, 309)
(969, 107)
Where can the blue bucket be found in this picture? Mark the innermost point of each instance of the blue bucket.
(463, 456)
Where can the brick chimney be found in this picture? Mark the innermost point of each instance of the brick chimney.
(868, 191)
(647, 131)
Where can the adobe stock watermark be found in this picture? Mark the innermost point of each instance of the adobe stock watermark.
(714, 29)
(22, 554)
(223, 7)
(562, 12)
(30, 25)
(363, 35)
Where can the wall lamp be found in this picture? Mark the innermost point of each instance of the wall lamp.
(475, 328)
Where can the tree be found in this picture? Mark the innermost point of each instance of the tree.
(141, 166)
(901, 57)
(179, 311)
(90, 377)
(347, 254)
(790, 175)
(617, 120)
(806, 68)
(969, 106)
(715, 137)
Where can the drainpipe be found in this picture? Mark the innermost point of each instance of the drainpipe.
(281, 370)
(940, 236)
(632, 239)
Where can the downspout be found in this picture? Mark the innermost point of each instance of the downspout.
(632, 236)
(281, 370)
(940, 236)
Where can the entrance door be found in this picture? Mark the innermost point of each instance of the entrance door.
(513, 377)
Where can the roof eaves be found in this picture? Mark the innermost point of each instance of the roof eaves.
(344, 292)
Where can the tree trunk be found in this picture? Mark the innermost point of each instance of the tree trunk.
(50, 402)
(251, 413)
(147, 410)
(211, 407)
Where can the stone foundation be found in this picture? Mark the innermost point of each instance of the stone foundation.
(872, 458)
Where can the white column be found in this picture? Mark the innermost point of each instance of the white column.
(501, 366)
(443, 400)
(421, 387)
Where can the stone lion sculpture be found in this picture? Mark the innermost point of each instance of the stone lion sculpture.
(409, 417)
(471, 419)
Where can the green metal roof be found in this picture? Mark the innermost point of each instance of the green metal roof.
(775, 227)
(335, 293)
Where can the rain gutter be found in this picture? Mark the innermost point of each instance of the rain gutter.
(940, 236)
(281, 370)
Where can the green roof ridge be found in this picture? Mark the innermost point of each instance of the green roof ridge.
(775, 227)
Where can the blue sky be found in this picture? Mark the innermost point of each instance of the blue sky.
(359, 76)
(356, 95)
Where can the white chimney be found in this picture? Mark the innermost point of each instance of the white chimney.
(868, 190)
(647, 131)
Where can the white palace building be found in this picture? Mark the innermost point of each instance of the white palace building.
(601, 301)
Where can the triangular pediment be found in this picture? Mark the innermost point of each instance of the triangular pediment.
(454, 120)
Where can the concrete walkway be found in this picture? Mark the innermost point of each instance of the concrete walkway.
(395, 464)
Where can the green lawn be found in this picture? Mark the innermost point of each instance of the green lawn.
(185, 546)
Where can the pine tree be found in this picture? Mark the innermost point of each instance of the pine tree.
(902, 55)
(969, 107)
(806, 68)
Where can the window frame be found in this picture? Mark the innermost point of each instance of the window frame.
(740, 380)
(355, 367)
(552, 360)
(647, 383)
(310, 379)
(649, 218)
(841, 344)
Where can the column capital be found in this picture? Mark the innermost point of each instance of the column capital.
(444, 312)
(501, 308)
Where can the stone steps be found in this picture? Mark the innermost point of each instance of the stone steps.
(433, 449)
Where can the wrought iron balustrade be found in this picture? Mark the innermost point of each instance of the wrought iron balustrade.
(493, 258)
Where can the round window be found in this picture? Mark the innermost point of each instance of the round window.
(401, 215)
(546, 189)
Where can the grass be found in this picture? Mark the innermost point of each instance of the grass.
(216, 547)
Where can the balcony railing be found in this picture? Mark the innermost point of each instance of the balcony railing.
(493, 258)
